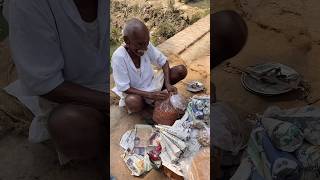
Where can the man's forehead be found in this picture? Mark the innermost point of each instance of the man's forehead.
(140, 33)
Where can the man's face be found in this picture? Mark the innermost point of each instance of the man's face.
(138, 42)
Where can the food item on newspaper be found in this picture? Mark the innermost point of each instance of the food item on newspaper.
(137, 164)
(154, 154)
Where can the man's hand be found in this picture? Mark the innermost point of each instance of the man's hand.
(158, 95)
(70, 93)
(171, 89)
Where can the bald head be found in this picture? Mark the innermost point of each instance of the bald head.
(136, 36)
(133, 26)
(229, 35)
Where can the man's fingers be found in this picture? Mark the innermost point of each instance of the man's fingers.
(161, 98)
(164, 96)
(175, 90)
(160, 95)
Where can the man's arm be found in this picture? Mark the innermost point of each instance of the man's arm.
(167, 83)
(158, 95)
(166, 73)
(68, 92)
(37, 56)
(160, 60)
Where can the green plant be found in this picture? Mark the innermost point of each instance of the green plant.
(154, 40)
(116, 35)
(166, 30)
(136, 9)
(195, 17)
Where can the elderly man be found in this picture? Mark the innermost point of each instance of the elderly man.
(59, 49)
(137, 83)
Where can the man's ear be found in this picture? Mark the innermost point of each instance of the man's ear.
(126, 40)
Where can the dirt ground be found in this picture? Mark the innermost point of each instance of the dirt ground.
(21, 160)
(279, 31)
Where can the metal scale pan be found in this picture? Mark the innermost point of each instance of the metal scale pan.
(259, 87)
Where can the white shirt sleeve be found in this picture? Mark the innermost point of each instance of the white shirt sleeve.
(35, 45)
(156, 57)
(120, 73)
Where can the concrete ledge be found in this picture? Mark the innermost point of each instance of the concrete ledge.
(186, 38)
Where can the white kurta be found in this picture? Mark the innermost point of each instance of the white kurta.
(50, 44)
(126, 74)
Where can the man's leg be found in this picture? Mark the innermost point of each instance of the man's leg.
(177, 73)
(134, 103)
(77, 131)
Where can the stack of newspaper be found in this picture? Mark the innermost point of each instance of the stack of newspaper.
(137, 143)
(148, 147)
(179, 142)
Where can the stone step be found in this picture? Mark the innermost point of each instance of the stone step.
(186, 38)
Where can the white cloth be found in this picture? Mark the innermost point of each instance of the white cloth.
(49, 45)
(126, 74)
(157, 84)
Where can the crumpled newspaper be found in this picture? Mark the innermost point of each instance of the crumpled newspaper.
(176, 168)
(270, 162)
(199, 108)
(137, 164)
(309, 156)
(176, 143)
(136, 143)
(284, 135)
(204, 136)
(180, 128)
(306, 118)
(180, 141)
(127, 140)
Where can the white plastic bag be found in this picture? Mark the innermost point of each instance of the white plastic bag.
(229, 132)
(178, 102)
(168, 111)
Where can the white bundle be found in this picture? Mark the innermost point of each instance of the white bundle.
(178, 142)
(173, 151)
(183, 135)
(137, 164)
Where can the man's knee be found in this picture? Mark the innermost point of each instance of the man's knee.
(65, 115)
(76, 130)
(182, 71)
(178, 73)
(134, 103)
